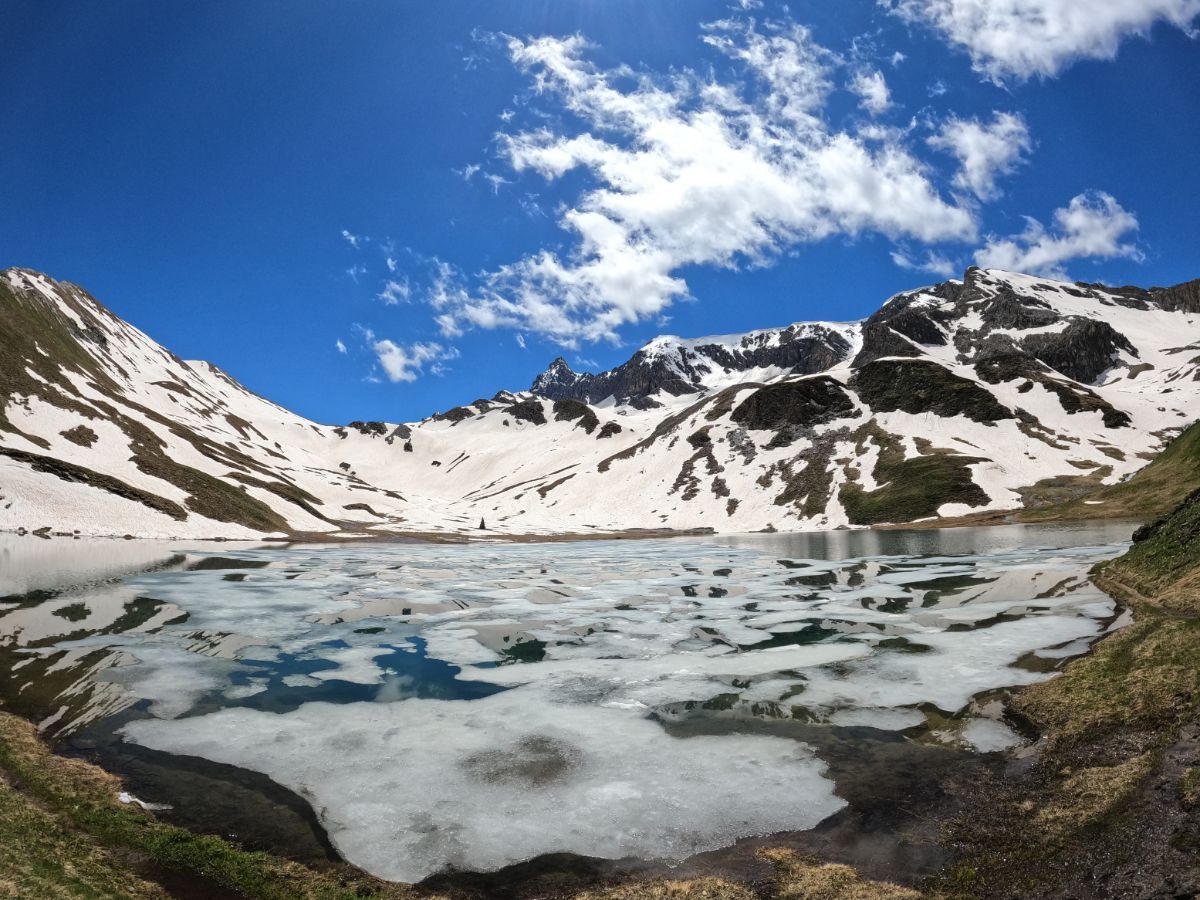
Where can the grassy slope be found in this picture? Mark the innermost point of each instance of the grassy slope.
(1111, 801)
(1151, 492)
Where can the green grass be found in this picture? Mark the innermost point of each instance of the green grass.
(1153, 491)
(909, 488)
(1101, 782)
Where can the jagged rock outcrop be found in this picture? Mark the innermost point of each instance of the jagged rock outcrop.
(677, 367)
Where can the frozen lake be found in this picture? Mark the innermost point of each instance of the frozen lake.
(478, 705)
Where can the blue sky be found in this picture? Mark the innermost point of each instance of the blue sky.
(574, 176)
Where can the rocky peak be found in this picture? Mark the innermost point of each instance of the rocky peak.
(678, 366)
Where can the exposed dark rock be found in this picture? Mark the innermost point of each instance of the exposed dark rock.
(880, 341)
(678, 368)
(572, 410)
(920, 386)
(81, 435)
(608, 430)
(528, 411)
(1083, 350)
(1010, 310)
(455, 415)
(801, 404)
(905, 320)
(1180, 298)
(700, 438)
(1073, 397)
(370, 429)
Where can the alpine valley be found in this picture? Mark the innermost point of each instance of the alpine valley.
(998, 392)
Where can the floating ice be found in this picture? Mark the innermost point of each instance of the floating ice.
(495, 702)
(406, 789)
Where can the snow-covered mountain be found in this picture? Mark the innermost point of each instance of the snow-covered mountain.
(993, 392)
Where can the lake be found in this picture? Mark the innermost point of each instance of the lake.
(420, 707)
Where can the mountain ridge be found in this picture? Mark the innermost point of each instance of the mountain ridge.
(997, 391)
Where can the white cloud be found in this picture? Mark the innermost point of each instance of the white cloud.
(391, 263)
(898, 58)
(984, 150)
(1092, 226)
(938, 88)
(934, 263)
(467, 172)
(356, 271)
(496, 182)
(395, 292)
(521, 341)
(872, 89)
(689, 170)
(406, 362)
(1026, 38)
(341, 346)
(352, 239)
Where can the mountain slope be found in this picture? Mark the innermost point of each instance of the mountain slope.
(995, 392)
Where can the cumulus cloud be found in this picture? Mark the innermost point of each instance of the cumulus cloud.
(1092, 226)
(688, 170)
(872, 88)
(1026, 38)
(985, 150)
(406, 362)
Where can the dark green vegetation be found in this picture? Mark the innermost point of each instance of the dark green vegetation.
(82, 475)
(919, 386)
(1151, 492)
(799, 404)
(909, 489)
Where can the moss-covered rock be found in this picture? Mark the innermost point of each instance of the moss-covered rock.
(921, 386)
(575, 411)
(528, 411)
(799, 404)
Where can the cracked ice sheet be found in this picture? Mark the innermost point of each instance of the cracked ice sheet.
(635, 628)
(495, 781)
